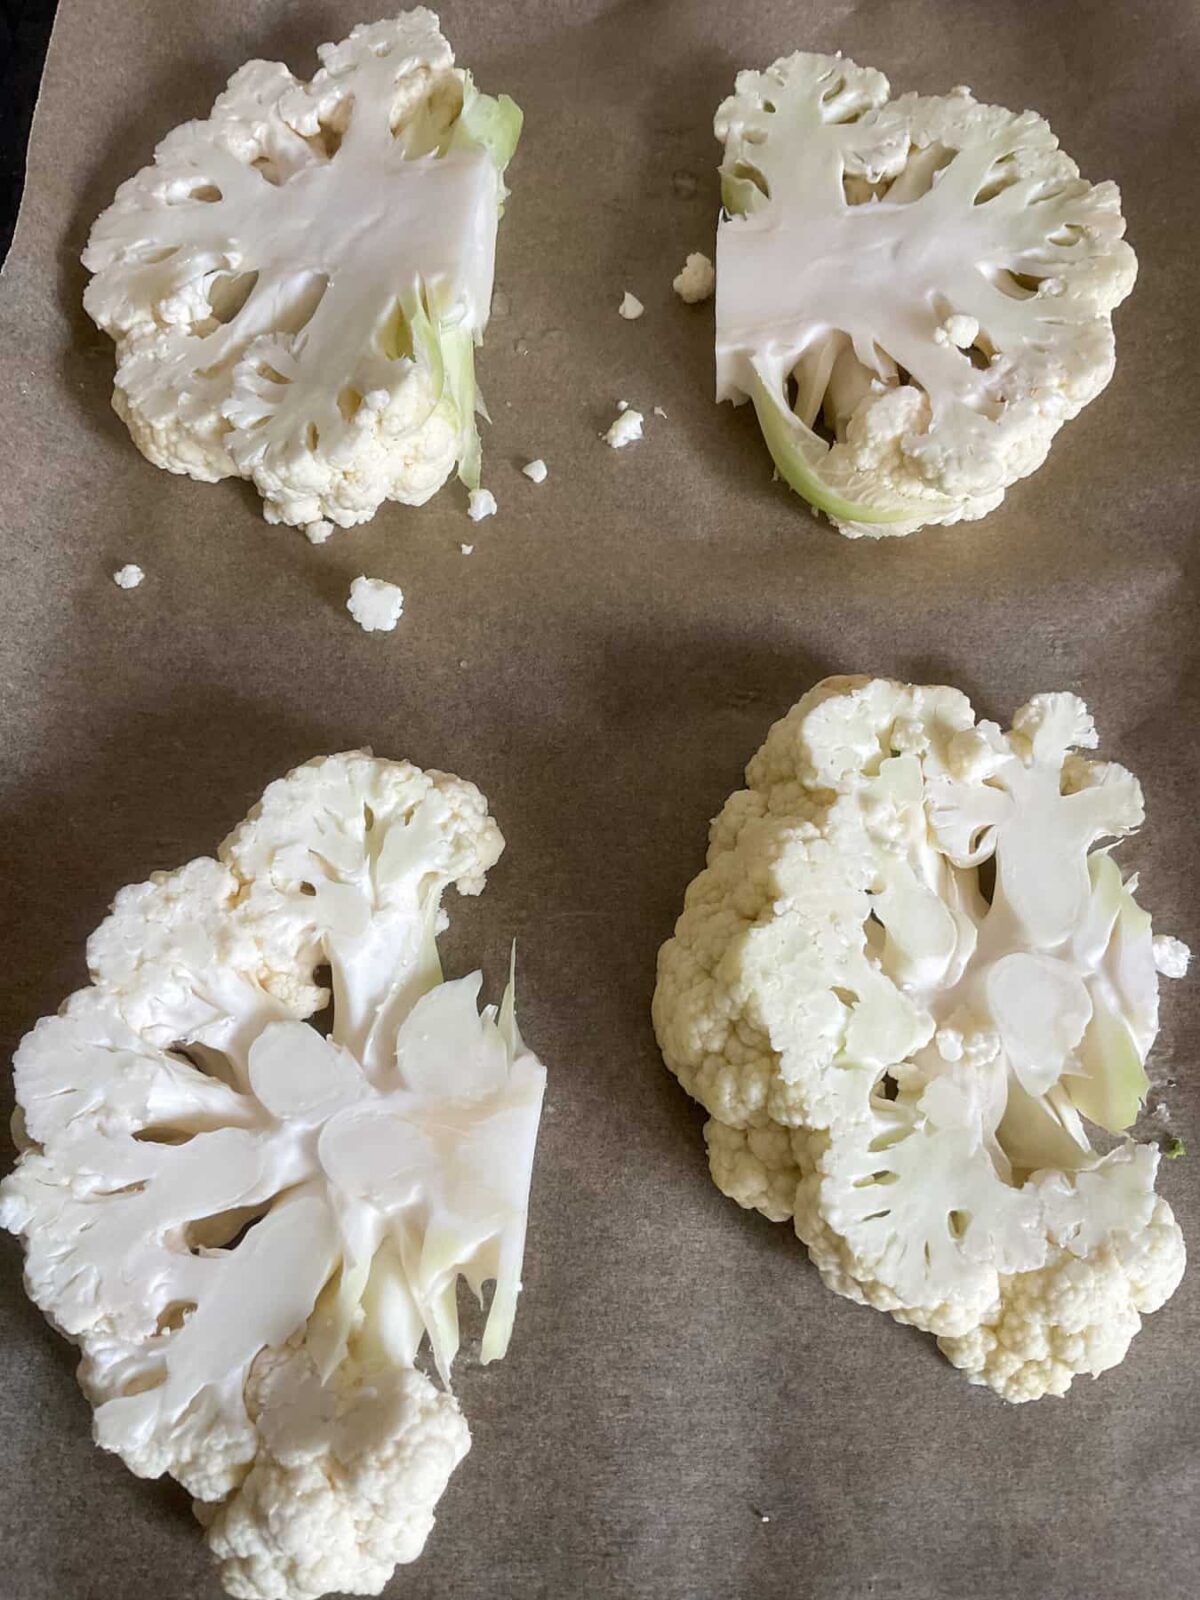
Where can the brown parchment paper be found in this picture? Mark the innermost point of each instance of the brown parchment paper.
(603, 666)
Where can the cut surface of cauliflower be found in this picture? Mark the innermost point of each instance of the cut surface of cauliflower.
(248, 1213)
(915, 294)
(696, 279)
(631, 308)
(908, 980)
(375, 604)
(297, 284)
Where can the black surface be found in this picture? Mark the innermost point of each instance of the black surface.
(24, 34)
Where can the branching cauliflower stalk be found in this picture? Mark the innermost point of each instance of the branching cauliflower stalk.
(249, 1223)
(916, 995)
(297, 285)
(915, 294)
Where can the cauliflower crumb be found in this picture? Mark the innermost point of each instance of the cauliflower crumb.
(535, 471)
(128, 576)
(626, 427)
(959, 331)
(659, 412)
(375, 605)
(318, 532)
(1171, 956)
(482, 503)
(622, 405)
(696, 280)
(631, 307)
(466, 549)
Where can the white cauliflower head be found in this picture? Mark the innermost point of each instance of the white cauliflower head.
(902, 1052)
(296, 285)
(916, 294)
(209, 1176)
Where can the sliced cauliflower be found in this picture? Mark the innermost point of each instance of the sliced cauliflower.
(214, 1188)
(902, 1059)
(915, 294)
(296, 285)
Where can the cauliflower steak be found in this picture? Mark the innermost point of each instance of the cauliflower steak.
(248, 1217)
(908, 983)
(296, 286)
(915, 294)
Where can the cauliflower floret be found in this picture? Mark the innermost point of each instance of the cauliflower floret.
(929, 276)
(757, 1167)
(1076, 1315)
(344, 1484)
(696, 279)
(296, 285)
(896, 1062)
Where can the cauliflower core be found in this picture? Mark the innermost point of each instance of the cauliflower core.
(249, 1221)
(296, 286)
(915, 294)
(903, 986)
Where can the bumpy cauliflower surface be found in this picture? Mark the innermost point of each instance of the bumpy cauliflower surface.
(903, 986)
(915, 294)
(296, 285)
(249, 1221)
(346, 1479)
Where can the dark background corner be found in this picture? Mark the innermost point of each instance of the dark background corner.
(24, 34)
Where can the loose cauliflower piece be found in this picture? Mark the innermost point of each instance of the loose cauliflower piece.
(249, 1224)
(915, 294)
(375, 604)
(296, 286)
(696, 279)
(902, 1060)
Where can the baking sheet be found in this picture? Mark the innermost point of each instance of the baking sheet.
(603, 666)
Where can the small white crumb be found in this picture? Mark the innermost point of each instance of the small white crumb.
(318, 532)
(482, 503)
(463, 665)
(1171, 956)
(375, 605)
(466, 549)
(696, 280)
(622, 405)
(659, 412)
(535, 471)
(625, 429)
(128, 576)
(631, 307)
(764, 1519)
(959, 331)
